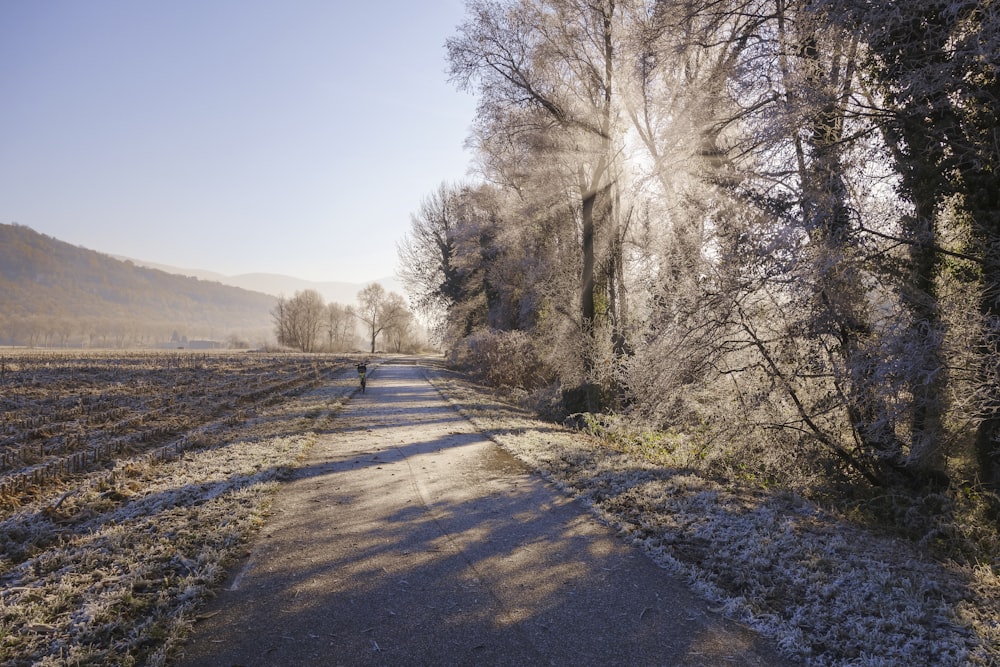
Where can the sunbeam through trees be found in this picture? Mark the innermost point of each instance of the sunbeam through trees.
(771, 226)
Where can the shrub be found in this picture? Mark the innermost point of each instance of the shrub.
(504, 359)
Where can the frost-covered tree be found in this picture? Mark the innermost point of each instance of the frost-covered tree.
(771, 220)
(399, 333)
(370, 303)
(545, 72)
(934, 65)
(435, 276)
(340, 327)
(380, 311)
(299, 320)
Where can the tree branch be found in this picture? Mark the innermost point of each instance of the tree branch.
(921, 244)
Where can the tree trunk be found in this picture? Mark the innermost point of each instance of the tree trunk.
(983, 202)
(923, 182)
(587, 311)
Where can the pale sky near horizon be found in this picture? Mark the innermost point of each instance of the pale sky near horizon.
(237, 136)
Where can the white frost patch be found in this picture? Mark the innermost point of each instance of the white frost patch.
(826, 591)
(108, 569)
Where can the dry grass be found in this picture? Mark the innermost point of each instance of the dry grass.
(829, 591)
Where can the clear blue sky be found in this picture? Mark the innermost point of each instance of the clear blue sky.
(237, 136)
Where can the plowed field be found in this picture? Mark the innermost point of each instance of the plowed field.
(127, 478)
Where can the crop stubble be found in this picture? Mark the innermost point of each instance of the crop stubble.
(65, 414)
(127, 479)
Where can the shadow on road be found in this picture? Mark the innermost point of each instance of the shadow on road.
(409, 539)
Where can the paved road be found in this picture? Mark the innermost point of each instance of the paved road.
(409, 539)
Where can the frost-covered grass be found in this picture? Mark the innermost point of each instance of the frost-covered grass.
(108, 567)
(827, 590)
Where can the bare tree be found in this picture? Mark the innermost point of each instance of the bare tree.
(281, 322)
(370, 301)
(546, 73)
(299, 320)
(340, 327)
(380, 311)
(398, 322)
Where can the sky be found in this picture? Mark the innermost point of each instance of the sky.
(237, 136)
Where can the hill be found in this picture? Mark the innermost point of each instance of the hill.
(54, 293)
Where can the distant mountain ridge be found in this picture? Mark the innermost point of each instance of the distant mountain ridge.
(279, 285)
(52, 289)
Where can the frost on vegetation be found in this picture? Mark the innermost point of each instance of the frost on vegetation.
(107, 568)
(827, 591)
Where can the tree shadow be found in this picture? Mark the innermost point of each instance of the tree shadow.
(444, 549)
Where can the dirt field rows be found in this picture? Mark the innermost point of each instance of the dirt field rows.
(64, 414)
(126, 479)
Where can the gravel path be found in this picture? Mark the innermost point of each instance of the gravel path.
(407, 538)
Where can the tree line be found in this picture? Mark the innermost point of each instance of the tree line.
(306, 323)
(771, 225)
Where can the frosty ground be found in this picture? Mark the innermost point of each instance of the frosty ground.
(829, 592)
(114, 571)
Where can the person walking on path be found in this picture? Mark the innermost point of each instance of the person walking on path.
(363, 374)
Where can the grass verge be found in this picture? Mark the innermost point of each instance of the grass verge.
(827, 590)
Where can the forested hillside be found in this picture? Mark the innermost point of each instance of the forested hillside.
(54, 293)
(766, 232)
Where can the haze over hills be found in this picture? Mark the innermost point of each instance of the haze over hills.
(54, 293)
(279, 285)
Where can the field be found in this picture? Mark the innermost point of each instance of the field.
(128, 480)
